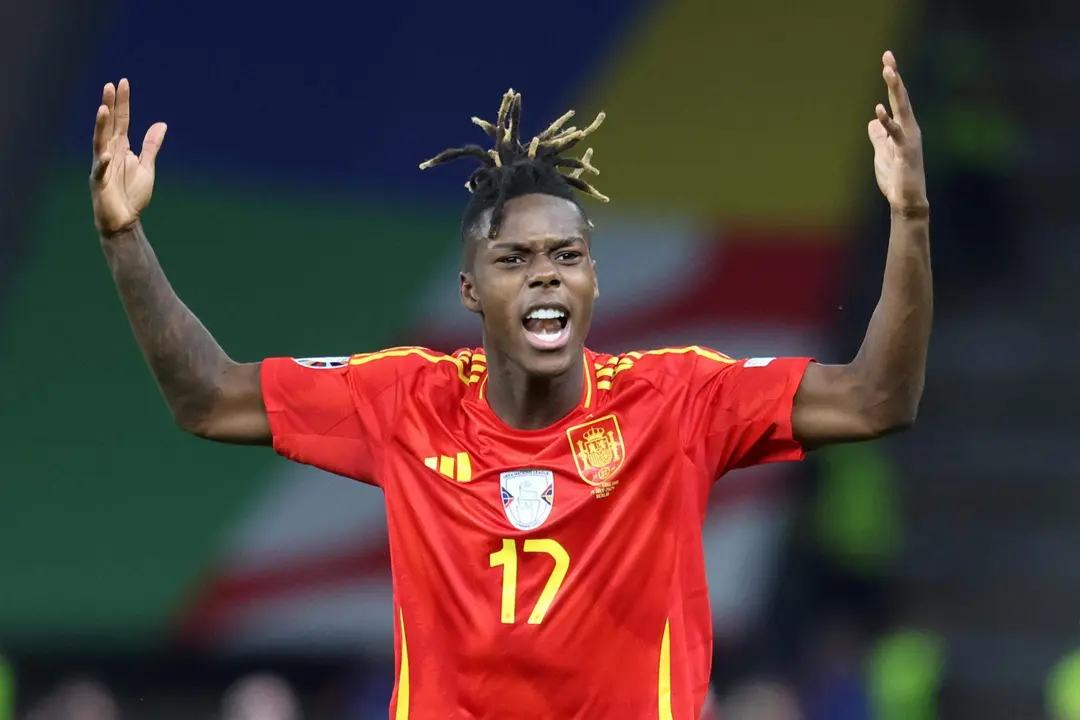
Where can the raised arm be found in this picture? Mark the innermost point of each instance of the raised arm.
(208, 393)
(879, 391)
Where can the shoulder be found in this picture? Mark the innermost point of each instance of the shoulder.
(371, 373)
(414, 364)
(408, 360)
(419, 376)
(665, 368)
(681, 358)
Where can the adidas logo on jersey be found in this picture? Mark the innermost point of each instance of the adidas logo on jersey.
(457, 468)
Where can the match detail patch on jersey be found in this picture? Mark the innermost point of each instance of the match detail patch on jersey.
(598, 450)
(527, 497)
(758, 362)
(323, 363)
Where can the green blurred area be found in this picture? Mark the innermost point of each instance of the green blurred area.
(110, 512)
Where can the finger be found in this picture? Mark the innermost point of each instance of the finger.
(151, 144)
(101, 125)
(877, 134)
(108, 99)
(898, 95)
(97, 172)
(123, 108)
(893, 128)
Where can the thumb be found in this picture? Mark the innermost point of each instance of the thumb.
(155, 136)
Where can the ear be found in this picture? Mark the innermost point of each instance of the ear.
(468, 293)
(595, 280)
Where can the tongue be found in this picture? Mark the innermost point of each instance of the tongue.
(545, 326)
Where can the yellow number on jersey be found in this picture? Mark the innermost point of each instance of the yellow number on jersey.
(507, 558)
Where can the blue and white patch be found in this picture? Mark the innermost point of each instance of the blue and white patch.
(323, 363)
(527, 497)
(758, 362)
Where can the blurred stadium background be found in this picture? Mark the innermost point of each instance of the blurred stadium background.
(931, 577)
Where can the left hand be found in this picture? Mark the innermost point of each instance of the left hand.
(897, 140)
(121, 182)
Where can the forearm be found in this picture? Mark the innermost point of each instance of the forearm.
(185, 359)
(890, 367)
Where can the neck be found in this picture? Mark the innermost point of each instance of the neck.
(528, 402)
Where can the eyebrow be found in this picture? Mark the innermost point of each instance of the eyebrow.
(509, 245)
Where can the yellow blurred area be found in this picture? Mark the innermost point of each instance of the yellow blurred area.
(688, 127)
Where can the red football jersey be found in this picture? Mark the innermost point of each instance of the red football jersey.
(554, 573)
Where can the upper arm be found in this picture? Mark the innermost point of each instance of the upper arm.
(833, 406)
(334, 413)
(314, 414)
(238, 414)
(740, 412)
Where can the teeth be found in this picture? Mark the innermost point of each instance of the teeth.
(546, 314)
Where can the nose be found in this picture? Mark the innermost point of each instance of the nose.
(544, 273)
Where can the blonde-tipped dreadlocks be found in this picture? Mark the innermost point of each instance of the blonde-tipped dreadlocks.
(511, 168)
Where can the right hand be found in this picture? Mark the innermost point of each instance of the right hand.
(121, 182)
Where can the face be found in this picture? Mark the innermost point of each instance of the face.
(534, 284)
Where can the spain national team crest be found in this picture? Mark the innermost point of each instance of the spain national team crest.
(598, 451)
(527, 497)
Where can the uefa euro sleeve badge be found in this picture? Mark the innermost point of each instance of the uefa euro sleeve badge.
(527, 497)
(323, 363)
(598, 450)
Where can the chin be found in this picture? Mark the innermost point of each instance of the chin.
(550, 364)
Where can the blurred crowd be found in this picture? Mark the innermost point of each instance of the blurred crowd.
(255, 697)
(901, 681)
(835, 642)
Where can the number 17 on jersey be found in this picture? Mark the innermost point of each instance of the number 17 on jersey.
(507, 559)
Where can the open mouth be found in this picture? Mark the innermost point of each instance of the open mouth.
(547, 327)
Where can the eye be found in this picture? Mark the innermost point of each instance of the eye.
(568, 255)
(510, 260)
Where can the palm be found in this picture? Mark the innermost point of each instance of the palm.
(127, 186)
(121, 182)
(897, 141)
(884, 158)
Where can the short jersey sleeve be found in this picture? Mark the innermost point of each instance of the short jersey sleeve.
(332, 413)
(738, 412)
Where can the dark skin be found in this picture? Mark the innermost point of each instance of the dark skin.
(209, 394)
(541, 255)
(879, 391)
